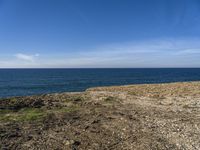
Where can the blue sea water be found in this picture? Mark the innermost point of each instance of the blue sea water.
(19, 82)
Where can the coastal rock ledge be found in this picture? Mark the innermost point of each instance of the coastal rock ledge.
(141, 117)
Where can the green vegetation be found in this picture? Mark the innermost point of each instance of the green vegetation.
(29, 114)
(32, 114)
(26, 114)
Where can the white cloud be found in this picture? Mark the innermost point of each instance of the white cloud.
(151, 53)
(25, 57)
(145, 50)
(188, 51)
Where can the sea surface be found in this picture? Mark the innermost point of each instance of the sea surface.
(20, 82)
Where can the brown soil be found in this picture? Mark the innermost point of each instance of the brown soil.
(149, 116)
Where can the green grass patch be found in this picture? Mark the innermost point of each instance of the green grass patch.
(4, 111)
(27, 114)
(32, 114)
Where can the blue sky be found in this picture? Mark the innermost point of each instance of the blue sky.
(99, 33)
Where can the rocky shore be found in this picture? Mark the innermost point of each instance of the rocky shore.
(148, 116)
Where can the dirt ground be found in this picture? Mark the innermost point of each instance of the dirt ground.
(141, 117)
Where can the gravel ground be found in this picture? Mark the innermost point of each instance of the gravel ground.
(141, 117)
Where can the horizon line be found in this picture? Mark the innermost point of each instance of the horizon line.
(114, 68)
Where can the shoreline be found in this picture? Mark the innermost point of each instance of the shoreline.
(109, 86)
(144, 116)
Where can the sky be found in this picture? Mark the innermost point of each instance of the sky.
(99, 33)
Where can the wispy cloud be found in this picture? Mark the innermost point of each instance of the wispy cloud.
(151, 53)
(25, 57)
(188, 51)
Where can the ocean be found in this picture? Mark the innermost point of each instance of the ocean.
(21, 82)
